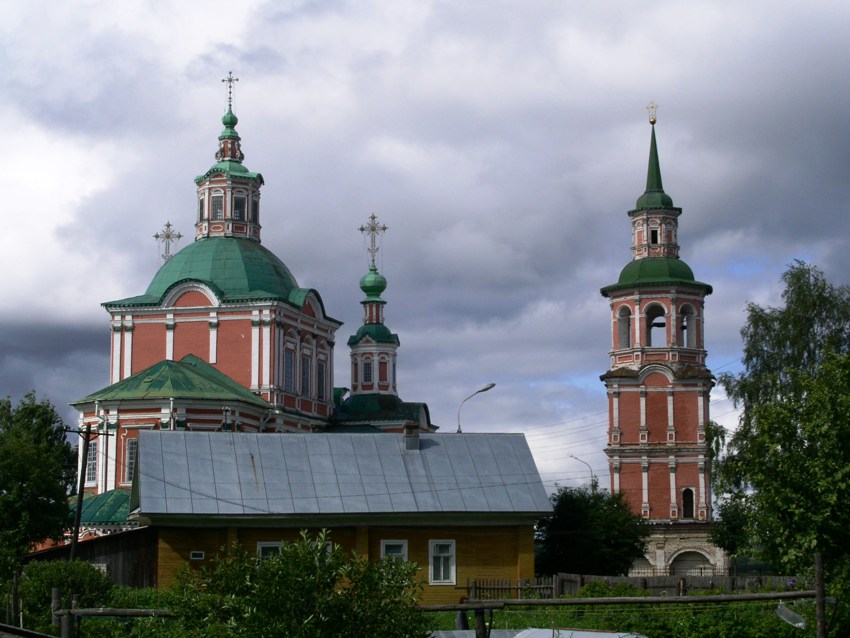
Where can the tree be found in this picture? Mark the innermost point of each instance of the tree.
(790, 456)
(306, 591)
(590, 532)
(36, 473)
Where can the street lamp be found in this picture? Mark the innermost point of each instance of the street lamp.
(592, 478)
(489, 386)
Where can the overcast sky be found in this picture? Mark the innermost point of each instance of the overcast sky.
(501, 142)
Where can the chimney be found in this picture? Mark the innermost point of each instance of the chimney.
(411, 435)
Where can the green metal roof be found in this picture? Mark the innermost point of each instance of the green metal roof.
(378, 332)
(656, 271)
(378, 407)
(189, 378)
(654, 197)
(236, 268)
(108, 508)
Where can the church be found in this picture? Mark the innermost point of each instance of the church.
(224, 340)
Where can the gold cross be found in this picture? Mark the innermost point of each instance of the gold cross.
(651, 108)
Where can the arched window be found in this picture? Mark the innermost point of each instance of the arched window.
(624, 327)
(688, 327)
(656, 326)
(687, 503)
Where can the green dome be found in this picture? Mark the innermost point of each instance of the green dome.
(656, 271)
(236, 269)
(373, 284)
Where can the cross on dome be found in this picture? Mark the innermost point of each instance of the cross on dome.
(652, 107)
(373, 229)
(230, 80)
(166, 236)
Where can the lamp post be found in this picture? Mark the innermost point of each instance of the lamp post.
(489, 386)
(592, 478)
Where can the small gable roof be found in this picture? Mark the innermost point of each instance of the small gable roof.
(189, 378)
(243, 476)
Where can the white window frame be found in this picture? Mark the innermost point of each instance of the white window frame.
(130, 465)
(91, 463)
(391, 542)
(264, 548)
(433, 546)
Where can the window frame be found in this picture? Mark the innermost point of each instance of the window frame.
(264, 548)
(390, 542)
(91, 463)
(452, 558)
(130, 467)
(217, 214)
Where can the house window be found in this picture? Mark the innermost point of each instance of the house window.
(266, 549)
(91, 463)
(131, 450)
(305, 375)
(394, 549)
(320, 380)
(288, 371)
(442, 555)
(687, 503)
(367, 371)
(218, 207)
(240, 205)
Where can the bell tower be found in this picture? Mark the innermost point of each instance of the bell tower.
(658, 384)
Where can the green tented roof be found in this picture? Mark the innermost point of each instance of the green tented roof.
(189, 378)
(378, 332)
(654, 197)
(656, 271)
(237, 269)
(109, 508)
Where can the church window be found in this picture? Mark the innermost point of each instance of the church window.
(131, 450)
(217, 207)
(624, 327)
(687, 503)
(367, 371)
(200, 209)
(255, 211)
(688, 327)
(653, 235)
(320, 381)
(240, 205)
(656, 326)
(305, 375)
(288, 371)
(91, 463)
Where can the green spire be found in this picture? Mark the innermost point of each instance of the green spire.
(654, 197)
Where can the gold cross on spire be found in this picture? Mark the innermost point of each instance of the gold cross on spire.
(373, 229)
(230, 80)
(651, 108)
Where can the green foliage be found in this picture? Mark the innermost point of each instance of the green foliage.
(731, 530)
(36, 472)
(589, 532)
(305, 591)
(91, 585)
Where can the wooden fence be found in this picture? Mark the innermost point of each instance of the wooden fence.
(569, 584)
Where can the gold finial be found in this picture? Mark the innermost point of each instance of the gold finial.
(230, 80)
(651, 108)
(373, 229)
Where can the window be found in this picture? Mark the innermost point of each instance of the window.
(218, 207)
(687, 503)
(656, 326)
(624, 327)
(266, 549)
(91, 462)
(240, 205)
(288, 371)
(131, 450)
(688, 325)
(255, 210)
(196, 554)
(442, 555)
(320, 380)
(305, 375)
(653, 235)
(200, 209)
(367, 371)
(394, 549)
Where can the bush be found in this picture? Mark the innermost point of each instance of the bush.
(90, 584)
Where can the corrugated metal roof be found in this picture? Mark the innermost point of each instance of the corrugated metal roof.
(241, 474)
